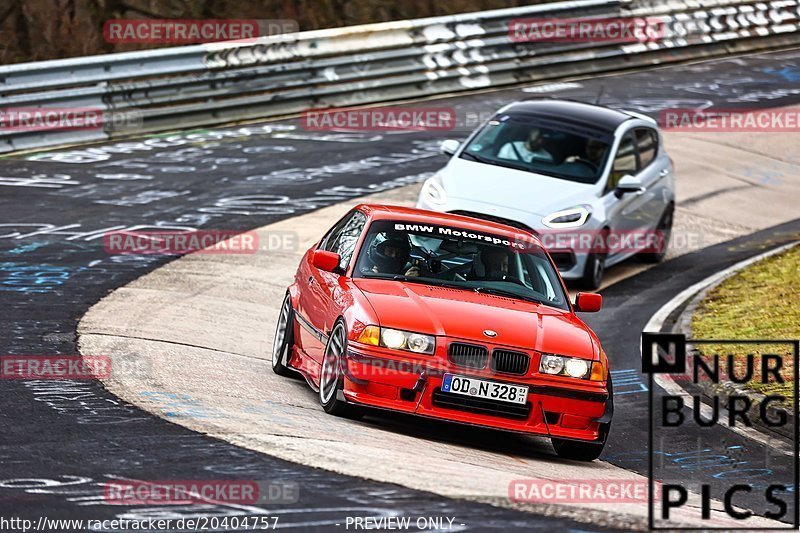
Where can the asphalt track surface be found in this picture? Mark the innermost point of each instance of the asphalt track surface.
(60, 445)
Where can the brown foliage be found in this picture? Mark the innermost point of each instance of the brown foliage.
(34, 30)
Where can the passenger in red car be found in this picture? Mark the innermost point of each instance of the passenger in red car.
(495, 263)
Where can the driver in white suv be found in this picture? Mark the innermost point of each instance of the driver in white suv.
(527, 150)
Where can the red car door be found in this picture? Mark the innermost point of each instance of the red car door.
(307, 310)
(320, 299)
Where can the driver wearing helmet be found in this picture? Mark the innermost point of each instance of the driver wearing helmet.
(392, 255)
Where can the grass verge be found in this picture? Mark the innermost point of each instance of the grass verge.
(759, 302)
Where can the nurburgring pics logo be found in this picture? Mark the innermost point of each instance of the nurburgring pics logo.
(731, 120)
(380, 119)
(43, 367)
(713, 393)
(584, 30)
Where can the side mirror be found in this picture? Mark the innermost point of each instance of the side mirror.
(628, 184)
(588, 302)
(450, 146)
(325, 260)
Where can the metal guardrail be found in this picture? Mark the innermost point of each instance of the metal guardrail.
(193, 86)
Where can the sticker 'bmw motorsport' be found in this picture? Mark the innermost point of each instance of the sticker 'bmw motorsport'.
(519, 242)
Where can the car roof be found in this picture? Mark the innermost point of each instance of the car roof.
(598, 116)
(410, 214)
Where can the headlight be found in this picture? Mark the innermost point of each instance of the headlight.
(420, 343)
(393, 338)
(551, 364)
(433, 191)
(568, 218)
(559, 365)
(577, 368)
(396, 339)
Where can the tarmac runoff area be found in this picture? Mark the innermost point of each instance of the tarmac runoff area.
(191, 342)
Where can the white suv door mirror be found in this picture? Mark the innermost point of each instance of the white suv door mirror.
(629, 184)
(450, 146)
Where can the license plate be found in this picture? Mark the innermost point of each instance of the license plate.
(490, 390)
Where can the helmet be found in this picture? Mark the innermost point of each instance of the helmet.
(378, 253)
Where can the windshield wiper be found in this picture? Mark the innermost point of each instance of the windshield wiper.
(478, 158)
(430, 281)
(510, 294)
(403, 277)
(496, 163)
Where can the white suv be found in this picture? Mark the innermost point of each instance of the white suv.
(565, 169)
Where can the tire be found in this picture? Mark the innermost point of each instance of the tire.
(586, 451)
(593, 272)
(578, 451)
(595, 266)
(665, 228)
(331, 376)
(284, 340)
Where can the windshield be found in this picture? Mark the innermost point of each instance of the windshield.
(543, 145)
(459, 258)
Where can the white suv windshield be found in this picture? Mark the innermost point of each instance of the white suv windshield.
(535, 144)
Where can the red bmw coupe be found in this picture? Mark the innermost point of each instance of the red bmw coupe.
(446, 317)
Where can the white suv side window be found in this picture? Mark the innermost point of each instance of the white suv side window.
(625, 162)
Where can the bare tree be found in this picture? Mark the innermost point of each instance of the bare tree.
(32, 30)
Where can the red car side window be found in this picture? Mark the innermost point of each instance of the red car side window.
(343, 237)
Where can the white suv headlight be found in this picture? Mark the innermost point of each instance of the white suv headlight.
(568, 218)
(433, 191)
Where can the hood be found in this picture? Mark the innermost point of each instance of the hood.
(508, 188)
(465, 315)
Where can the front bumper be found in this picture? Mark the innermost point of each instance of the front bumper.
(563, 410)
(571, 264)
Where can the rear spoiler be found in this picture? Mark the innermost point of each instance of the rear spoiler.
(640, 116)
